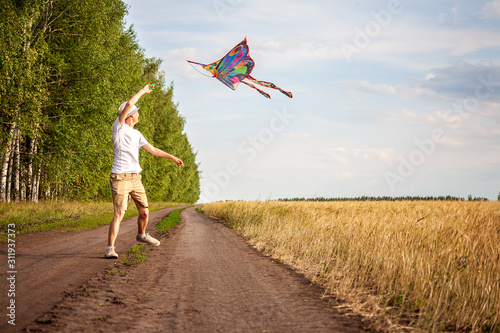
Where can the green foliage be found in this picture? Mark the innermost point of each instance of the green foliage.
(136, 254)
(62, 216)
(65, 67)
(170, 221)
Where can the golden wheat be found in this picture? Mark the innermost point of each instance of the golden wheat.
(436, 264)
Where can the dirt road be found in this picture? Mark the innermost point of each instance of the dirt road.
(203, 278)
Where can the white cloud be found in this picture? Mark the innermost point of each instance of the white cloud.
(449, 142)
(491, 133)
(430, 76)
(490, 109)
(456, 12)
(309, 32)
(174, 62)
(404, 116)
(344, 174)
(367, 87)
(464, 79)
(399, 91)
(295, 135)
(347, 156)
(338, 154)
(437, 117)
(491, 9)
(386, 155)
(381, 89)
(411, 45)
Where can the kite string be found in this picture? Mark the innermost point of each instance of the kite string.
(196, 69)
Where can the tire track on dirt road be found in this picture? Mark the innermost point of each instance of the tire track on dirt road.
(203, 278)
(50, 263)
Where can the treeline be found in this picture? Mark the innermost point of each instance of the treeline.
(65, 67)
(388, 198)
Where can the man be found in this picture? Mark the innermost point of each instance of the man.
(125, 176)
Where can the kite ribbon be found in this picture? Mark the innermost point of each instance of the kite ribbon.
(263, 93)
(268, 85)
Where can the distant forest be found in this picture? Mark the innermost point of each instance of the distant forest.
(387, 198)
(65, 67)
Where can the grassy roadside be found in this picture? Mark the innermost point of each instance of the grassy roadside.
(62, 216)
(170, 221)
(135, 255)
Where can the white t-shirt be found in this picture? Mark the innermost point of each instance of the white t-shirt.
(126, 144)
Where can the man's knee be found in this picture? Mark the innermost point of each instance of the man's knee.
(144, 212)
(119, 214)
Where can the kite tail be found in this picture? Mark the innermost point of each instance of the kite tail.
(263, 93)
(269, 85)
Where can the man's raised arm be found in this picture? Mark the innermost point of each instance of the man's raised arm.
(123, 115)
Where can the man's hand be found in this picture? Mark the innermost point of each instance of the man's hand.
(148, 88)
(160, 153)
(178, 161)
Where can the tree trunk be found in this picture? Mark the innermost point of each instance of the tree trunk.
(5, 166)
(3, 174)
(36, 184)
(34, 181)
(22, 178)
(30, 177)
(17, 168)
(9, 178)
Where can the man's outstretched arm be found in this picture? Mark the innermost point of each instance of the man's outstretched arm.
(160, 153)
(132, 101)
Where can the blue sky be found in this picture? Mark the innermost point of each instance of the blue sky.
(390, 98)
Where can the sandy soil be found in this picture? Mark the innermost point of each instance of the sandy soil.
(204, 277)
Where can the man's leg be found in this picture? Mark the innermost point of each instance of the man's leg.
(114, 227)
(141, 202)
(120, 188)
(142, 220)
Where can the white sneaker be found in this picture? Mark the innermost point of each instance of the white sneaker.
(148, 239)
(111, 254)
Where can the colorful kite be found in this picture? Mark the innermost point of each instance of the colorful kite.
(235, 67)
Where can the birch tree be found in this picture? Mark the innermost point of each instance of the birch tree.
(65, 67)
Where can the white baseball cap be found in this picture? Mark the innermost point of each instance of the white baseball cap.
(131, 112)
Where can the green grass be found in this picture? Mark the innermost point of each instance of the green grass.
(62, 216)
(112, 271)
(135, 255)
(170, 221)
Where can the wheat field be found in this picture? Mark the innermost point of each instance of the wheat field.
(428, 265)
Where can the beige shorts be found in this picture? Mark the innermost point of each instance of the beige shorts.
(124, 184)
